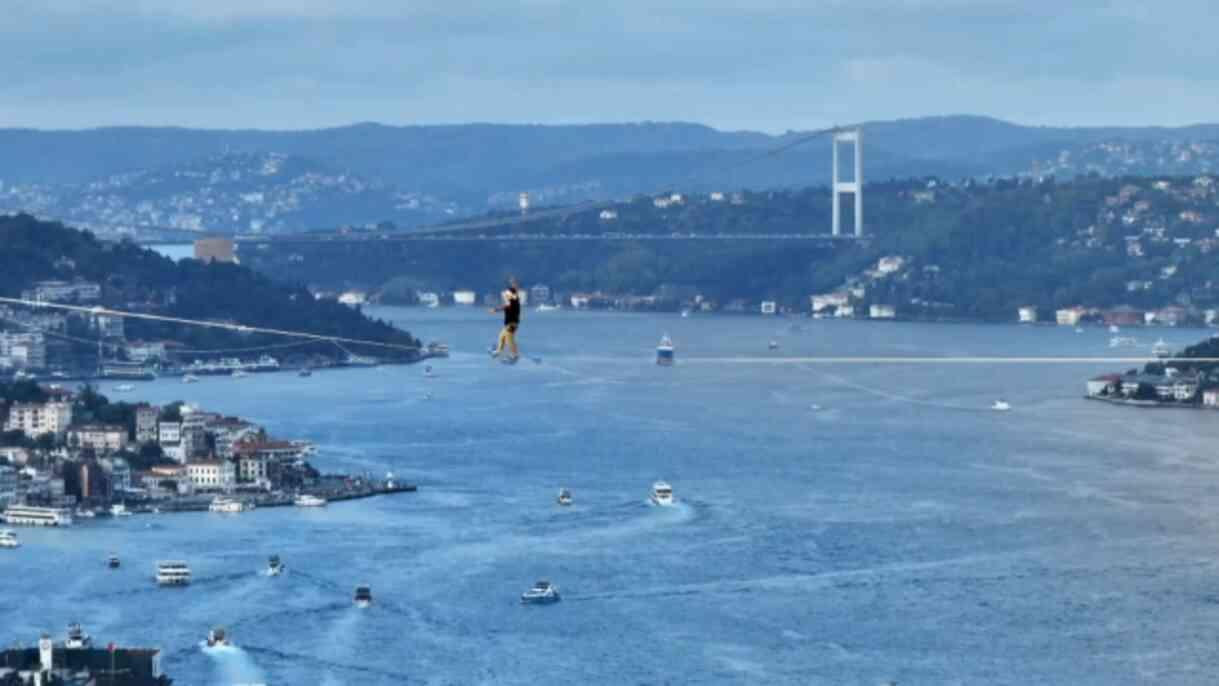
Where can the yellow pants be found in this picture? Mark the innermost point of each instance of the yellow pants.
(507, 336)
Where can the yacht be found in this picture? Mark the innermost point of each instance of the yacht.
(1000, 406)
(190, 378)
(77, 638)
(173, 573)
(28, 515)
(119, 510)
(226, 505)
(664, 351)
(217, 637)
(124, 388)
(363, 596)
(8, 539)
(564, 496)
(542, 593)
(274, 566)
(113, 562)
(306, 500)
(1160, 349)
(662, 493)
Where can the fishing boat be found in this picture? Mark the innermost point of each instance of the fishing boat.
(542, 593)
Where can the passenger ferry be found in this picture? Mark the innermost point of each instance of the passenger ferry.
(306, 500)
(28, 515)
(274, 566)
(173, 573)
(77, 638)
(363, 596)
(8, 539)
(226, 505)
(564, 496)
(662, 493)
(217, 637)
(542, 593)
(664, 351)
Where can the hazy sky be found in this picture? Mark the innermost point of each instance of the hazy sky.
(761, 64)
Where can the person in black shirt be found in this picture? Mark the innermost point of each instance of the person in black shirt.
(511, 308)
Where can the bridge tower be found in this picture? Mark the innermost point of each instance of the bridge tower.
(854, 186)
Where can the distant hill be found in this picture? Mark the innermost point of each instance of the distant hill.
(112, 178)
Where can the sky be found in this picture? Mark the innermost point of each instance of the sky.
(769, 65)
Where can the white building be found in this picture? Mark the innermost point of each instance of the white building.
(1069, 316)
(464, 297)
(769, 307)
(1027, 314)
(102, 438)
(882, 312)
(353, 298)
(716, 196)
(140, 351)
(211, 475)
(33, 419)
(63, 291)
(829, 301)
(23, 350)
(146, 423)
(169, 432)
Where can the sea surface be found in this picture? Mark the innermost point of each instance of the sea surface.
(902, 532)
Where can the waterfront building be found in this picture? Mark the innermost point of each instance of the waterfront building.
(1069, 316)
(36, 419)
(63, 291)
(211, 475)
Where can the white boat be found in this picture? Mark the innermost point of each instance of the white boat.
(124, 388)
(685, 314)
(773, 345)
(564, 496)
(664, 351)
(1000, 406)
(1113, 328)
(239, 373)
(84, 513)
(226, 505)
(363, 596)
(173, 573)
(275, 566)
(216, 637)
(119, 510)
(190, 378)
(1160, 349)
(547, 308)
(77, 638)
(8, 539)
(28, 515)
(662, 493)
(542, 593)
(1122, 342)
(306, 500)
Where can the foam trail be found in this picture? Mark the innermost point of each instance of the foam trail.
(234, 665)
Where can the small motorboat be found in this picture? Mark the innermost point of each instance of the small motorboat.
(119, 510)
(239, 374)
(307, 500)
(564, 496)
(84, 513)
(77, 638)
(190, 378)
(217, 637)
(113, 562)
(8, 539)
(542, 593)
(124, 388)
(305, 372)
(1000, 406)
(665, 351)
(275, 567)
(363, 596)
(773, 345)
(662, 493)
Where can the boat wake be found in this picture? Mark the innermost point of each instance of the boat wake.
(235, 666)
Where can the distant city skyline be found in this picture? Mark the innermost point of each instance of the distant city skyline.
(772, 66)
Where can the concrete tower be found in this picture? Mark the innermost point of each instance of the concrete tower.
(854, 186)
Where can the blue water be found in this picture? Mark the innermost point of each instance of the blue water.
(903, 532)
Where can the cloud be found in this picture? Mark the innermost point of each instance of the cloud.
(772, 64)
